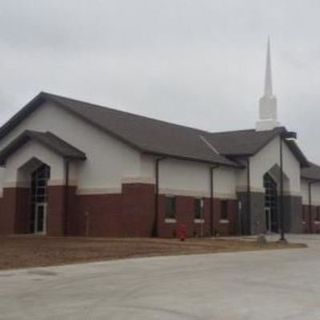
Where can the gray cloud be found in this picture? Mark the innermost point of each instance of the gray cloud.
(198, 63)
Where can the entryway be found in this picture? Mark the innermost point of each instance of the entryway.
(39, 199)
(271, 204)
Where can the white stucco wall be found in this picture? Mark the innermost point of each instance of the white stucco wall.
(109, 160)
(315, 193)
(12, 177)
(225, 182)
(189, 178)
(269, 156)
(242, 180)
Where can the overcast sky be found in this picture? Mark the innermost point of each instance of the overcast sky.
(194, 62)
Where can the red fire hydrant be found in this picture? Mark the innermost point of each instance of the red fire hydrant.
(182, 232)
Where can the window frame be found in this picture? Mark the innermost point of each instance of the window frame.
(170, 211)
(224, 212)
(198, 208)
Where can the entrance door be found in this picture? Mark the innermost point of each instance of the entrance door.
(40, 221)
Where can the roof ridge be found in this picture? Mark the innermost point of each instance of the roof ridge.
(72, 104)
(49, 95)
(56, 96)
(151, 135)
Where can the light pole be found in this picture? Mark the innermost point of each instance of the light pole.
(285, 135)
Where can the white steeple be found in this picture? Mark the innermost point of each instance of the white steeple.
(268, 102)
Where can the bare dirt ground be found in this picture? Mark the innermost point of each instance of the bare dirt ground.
(38, 251)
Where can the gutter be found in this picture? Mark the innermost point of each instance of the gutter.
(232, 164)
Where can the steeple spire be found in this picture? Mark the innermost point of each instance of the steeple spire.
(268, 75)
(268, 102)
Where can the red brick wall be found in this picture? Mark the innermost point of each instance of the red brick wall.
(230, 228)
(311, 225)
(138, 209)
(8, 212)
(55, 211)
(1, 215)
(23, 210)
(14, 211)
(97, 215)
(130, 214)
(185, 216)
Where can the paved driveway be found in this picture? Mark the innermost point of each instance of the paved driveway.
(280, 284)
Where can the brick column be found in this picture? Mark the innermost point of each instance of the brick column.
(55, 210)
(23, 211)
(138, 209)
(8, 211)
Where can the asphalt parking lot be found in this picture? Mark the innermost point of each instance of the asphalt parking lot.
(276, 284)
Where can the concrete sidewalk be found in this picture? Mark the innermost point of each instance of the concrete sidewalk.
(278, 284)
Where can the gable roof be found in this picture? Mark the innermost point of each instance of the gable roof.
(159, 137)
(142, 133)
(47, 139)
(249, 142)
(242, 142)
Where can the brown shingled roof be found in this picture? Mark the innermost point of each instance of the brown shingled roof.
(47, 139)
(159, 137)
(311, 173)
(242, 142)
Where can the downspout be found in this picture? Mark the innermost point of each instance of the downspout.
(248, 227)
(156, 198)
(212, 200)
(66, 195)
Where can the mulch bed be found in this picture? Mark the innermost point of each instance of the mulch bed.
(38, 251)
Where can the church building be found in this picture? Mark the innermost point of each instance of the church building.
(77, 169)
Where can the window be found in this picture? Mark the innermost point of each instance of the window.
(198, 208)
(224, 210)
(39, 181)
(39, 197)
(170, 208)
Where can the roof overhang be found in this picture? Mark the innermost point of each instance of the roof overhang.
(226, 158)
(228, 163)
(47, 139)
(287, 137)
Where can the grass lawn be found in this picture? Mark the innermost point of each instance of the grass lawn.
(38, 251)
